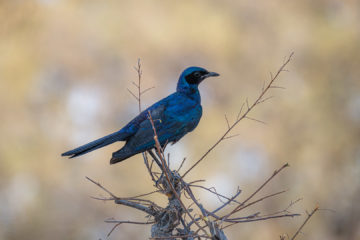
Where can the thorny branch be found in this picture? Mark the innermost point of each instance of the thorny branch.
(171, 222)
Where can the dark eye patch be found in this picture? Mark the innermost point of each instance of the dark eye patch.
(195, 77)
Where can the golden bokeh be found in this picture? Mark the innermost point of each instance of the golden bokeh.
(65, 66)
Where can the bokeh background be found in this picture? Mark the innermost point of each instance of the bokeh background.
(65, 67)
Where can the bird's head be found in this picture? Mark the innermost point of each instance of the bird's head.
(191, 77)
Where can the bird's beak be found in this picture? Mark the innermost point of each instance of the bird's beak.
(211, 74)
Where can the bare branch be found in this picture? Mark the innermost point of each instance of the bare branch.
(306, 220)
(137, 206)
(227, 121)
(216, 193)
(235, 221)
(100, 186)
(149, 167)
(139, 71)
(221, 207)
(278, 87)
(249, 108)
(286, 210)
(103, 198)
(189, 236)
(135, 84)
(228, 202)
(232, 136)
(264, 100)
(240, 111)
(132, 222)
(143, 195)
(155, 158)
(146, 90)
(252, 203)
(127, 202)
(167, 221)
(166, 171)
(257, 190)
(256, 120)
(182, 163)
(118, 223)
(137, 99)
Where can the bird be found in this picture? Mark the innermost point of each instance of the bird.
(173, 117)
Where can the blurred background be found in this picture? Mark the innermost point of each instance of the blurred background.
(65, 66)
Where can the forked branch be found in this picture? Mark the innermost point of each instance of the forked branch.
(260, 99)
(178, 220)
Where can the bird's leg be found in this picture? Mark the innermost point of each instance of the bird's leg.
(163, 146)
(159, 164)
(155, 158)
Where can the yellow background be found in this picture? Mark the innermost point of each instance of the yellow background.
(65, 67)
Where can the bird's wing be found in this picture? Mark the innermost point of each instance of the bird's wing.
(134, 125)
(171, 120)
(144, 136)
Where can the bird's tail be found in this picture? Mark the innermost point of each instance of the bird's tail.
(91, 146)
(122, 154)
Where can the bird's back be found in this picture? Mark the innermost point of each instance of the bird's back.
(173, 117)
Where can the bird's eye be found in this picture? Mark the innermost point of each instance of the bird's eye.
(197, 74)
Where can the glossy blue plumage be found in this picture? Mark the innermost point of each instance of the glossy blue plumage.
(173, 117)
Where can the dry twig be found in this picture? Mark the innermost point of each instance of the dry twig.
(306, 220)
(166, 221)
(259, 100)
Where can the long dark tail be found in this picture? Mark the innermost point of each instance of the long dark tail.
(99, 143)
